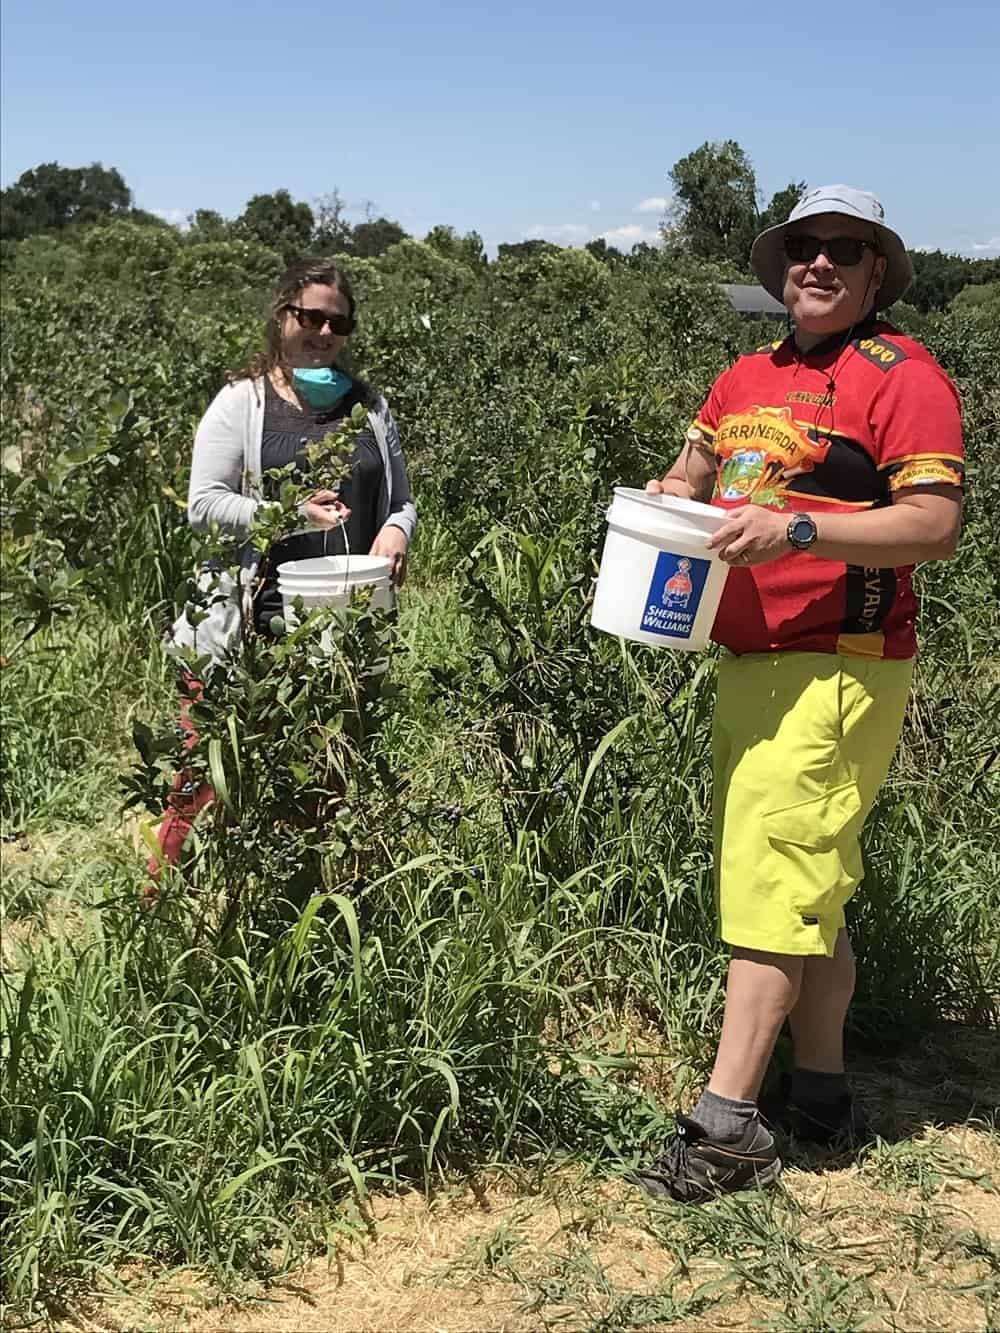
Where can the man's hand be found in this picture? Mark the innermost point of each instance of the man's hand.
(753, 536)
(391, 544)
(669, 486)
(325, 510)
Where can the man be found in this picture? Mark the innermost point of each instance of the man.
(837, 454)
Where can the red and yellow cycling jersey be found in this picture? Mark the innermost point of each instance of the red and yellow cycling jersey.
(845, 427)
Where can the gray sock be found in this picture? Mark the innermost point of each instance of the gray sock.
(722, 1118)
(815, 1085)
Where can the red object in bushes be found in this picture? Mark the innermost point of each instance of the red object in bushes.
(185, 802)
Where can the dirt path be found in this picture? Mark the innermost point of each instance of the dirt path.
(908, 1239)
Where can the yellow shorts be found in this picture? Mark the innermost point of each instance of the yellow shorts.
(801, 743)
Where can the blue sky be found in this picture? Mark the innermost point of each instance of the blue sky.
(520, 119)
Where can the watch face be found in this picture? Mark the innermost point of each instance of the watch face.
(803, 531)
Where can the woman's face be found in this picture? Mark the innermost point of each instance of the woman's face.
(309, 348)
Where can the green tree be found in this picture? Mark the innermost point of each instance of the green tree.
(525, 249)
(467, 249)
(278, 222)
(233, 263)
(374, 236)
(46, 256)
(600, 249)
(715, 209)
(566, 281)
(908, 318)
(333, 233)
(123, 250)
(50, 197)
(643, 256)
(782, 203)
(205, 224)
(417, 272)
(937, 278)
(573, 281)
(981, 296)
(143, 218)
(365, 276)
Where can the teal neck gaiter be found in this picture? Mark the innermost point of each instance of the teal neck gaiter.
(321, 388)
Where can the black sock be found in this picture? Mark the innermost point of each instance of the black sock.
(722, 1118)
(815, 1085)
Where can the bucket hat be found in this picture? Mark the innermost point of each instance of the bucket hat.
(767, 257)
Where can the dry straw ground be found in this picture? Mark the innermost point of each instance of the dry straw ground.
(907, 1238)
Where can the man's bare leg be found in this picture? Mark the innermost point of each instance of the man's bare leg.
(762, 989)
(725, 1144)
(817, 1019)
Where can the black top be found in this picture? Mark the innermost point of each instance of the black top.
(287, 430)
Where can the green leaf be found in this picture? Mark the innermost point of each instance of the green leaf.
(448, 1074)
(227, 1192)
(20, 1029)
(218, 772)
(346, 909)
(605, 745)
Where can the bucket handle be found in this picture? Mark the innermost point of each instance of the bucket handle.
(347, 548)
(695, 441)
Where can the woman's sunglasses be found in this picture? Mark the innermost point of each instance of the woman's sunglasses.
(340, 325)
(844, 251)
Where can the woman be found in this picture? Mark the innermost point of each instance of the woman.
(290, 397)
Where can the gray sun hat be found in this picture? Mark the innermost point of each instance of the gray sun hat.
(767, 258)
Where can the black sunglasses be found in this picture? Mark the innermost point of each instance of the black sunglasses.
(844, 251)
(340, 325)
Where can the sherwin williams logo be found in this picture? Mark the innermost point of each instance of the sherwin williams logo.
(674, 595)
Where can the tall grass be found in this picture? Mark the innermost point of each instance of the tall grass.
(515, 887)
(181, 1099)
(67, 704)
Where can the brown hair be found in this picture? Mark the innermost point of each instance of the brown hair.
(304, 273)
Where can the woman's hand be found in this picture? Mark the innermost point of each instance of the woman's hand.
(391, 544)
(325, 510)
(753, 536)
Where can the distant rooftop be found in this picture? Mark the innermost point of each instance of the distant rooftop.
(747, 298)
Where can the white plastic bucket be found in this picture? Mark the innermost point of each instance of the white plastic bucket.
(657, 583)
(342, 569)
(331, 580)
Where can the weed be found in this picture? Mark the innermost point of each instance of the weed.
(926, 1167)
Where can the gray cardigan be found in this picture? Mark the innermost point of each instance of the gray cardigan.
(225, 468)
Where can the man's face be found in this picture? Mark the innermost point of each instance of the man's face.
(823, 297)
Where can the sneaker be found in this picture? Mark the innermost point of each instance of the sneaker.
(837, 1125)
(694, 1167)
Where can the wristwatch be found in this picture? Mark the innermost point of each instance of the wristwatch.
(801, 531)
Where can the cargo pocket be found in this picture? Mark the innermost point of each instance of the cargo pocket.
(815, 850)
